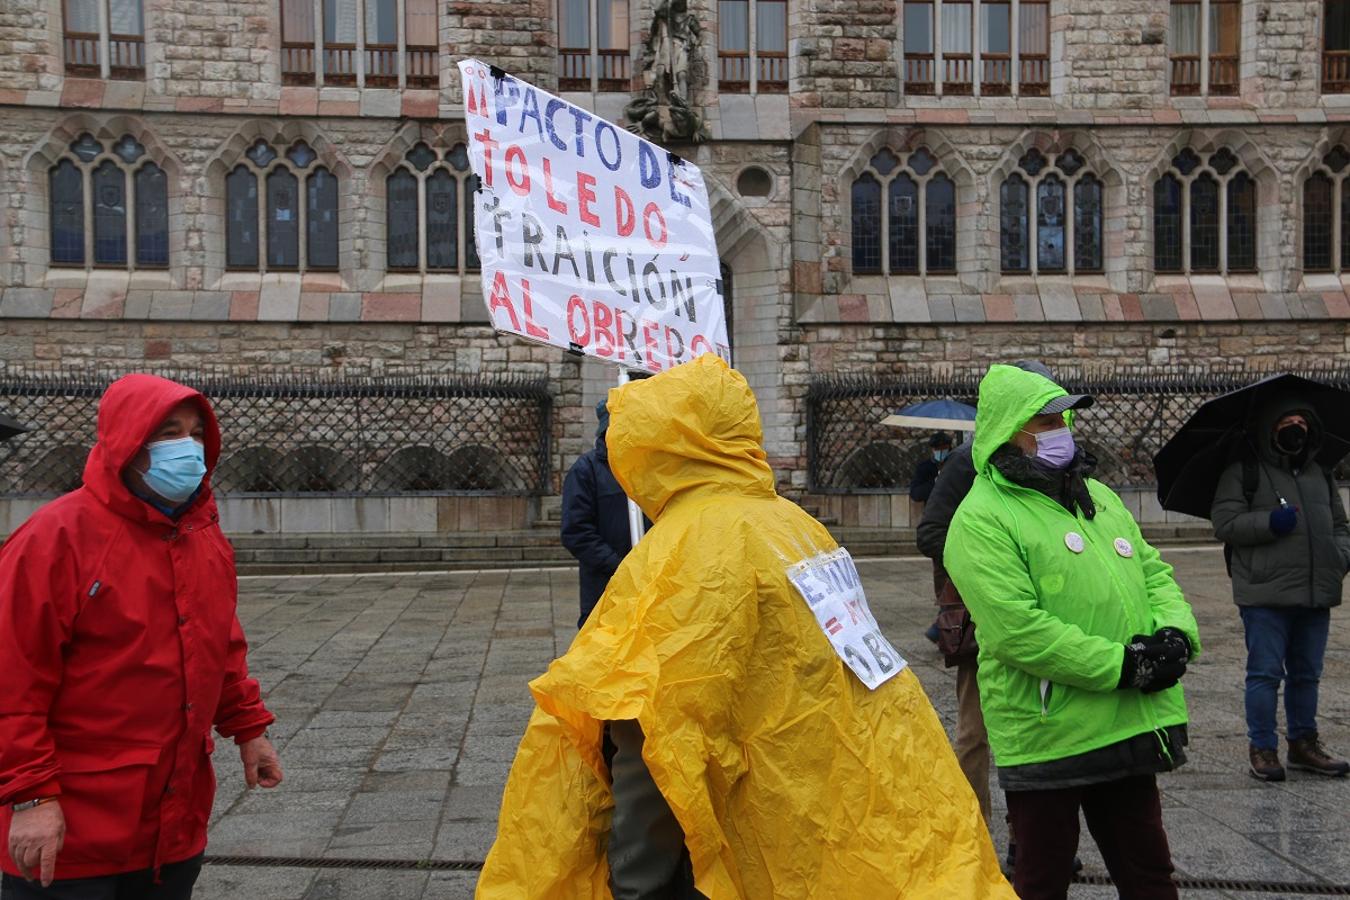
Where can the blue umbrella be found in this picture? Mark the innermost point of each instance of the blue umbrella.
(935, 415)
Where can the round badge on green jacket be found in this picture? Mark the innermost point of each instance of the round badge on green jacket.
(1074, 541)
(1124, 548)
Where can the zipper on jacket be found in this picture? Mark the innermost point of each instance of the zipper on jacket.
(1045, 699)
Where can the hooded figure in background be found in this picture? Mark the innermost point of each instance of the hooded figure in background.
(122, 651)
(1084, 636)
(595, 517)
(1280, 512)
(771, 769)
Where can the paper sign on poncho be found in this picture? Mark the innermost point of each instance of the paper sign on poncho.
(591, 238)
(830, 585)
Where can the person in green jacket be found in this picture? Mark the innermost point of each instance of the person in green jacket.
(1084, 636)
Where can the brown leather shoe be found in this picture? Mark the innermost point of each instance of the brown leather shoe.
(1266, 764)
(1308, 755)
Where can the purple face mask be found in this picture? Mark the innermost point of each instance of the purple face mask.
(1056, 448)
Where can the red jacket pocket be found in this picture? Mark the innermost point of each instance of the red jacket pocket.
(103, 799)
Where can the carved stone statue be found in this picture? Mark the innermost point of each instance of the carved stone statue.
(670, 62)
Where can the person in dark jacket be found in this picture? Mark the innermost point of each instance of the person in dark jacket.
(1279, 511)
(595, 518)
(926, 472)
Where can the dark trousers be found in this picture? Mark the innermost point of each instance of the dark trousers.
(176, 881)
(647, 856)
(1283, 645)
(1125, 818)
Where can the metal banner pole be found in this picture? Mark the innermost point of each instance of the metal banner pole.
(635, 528)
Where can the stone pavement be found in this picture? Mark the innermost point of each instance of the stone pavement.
(401, 698)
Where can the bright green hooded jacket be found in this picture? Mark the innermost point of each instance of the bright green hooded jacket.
(1055, 596)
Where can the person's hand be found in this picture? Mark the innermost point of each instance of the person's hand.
(35, 838)
(1175, 638)
(261, 764)
(1283, 519)
(1151, 665)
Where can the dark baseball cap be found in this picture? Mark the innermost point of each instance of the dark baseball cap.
(1066, 403)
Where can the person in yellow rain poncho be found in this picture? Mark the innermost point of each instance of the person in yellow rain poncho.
(787, 776)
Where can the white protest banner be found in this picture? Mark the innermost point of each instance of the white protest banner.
(830, 584)
(591, 238)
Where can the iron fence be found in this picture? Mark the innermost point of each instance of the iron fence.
(304, 435)
(850, 451)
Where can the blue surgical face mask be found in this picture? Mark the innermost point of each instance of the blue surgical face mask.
(941, 455)
(1056, 448)
(176, 468)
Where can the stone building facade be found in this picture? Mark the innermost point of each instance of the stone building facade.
(989, 91)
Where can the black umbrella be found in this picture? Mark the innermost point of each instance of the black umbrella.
(1190, 464)
(10, 427)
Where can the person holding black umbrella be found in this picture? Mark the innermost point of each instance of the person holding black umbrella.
(1280, 514)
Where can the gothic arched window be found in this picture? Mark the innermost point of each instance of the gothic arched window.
(1204, 215)
(429, 212)
(1326, 215)
(917, 222)
(285, 204)
(109, 206)
(1050, 216)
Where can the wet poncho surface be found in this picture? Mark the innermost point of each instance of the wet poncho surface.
(789, 777)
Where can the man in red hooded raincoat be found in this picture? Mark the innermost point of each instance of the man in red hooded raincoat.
(120, 651)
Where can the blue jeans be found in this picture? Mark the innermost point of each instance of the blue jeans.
(1283, 645)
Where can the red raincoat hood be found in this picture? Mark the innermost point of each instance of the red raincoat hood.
(128, 414)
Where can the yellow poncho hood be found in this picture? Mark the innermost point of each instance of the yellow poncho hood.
(789, 777)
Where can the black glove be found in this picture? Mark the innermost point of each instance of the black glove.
(1283, 519)
(1175, 638)
(1151, 664)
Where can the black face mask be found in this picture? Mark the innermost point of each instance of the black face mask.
(1291, 439)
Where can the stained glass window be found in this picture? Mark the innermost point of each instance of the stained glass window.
(1317, 223)
(241, 214)
(866, 224)
(1345, 229)
(301, 155)
(401, 219)
(1050, 225)
(152, 216)
(421, 156)
(242, 219)
(904, 225)
(442, 221)
(917, 224)
(110, 215)
(438, 199)
(1087, 225)
(1210, 201)
(283, 220)
(66, 186)
(1241, 223)
(1167, 247)
(940, 223)
(1204, 224)
(1014, 237)
(321, 220)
